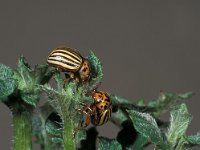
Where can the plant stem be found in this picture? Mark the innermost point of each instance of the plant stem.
(47, 145)
(180, 145)
(22, 130)
(68, 134)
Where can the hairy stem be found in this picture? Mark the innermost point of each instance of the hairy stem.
(22, 130)
(68, 134)
(47, 144)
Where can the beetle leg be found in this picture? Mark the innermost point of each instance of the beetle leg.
(82, 110)
(83, 104)
(67, 78)
(86, 122)
(85, 109)
(82, 125)
(65, 81)
(58, 69)
(72, 75)
(77, 129)
(75, 77)
(77, 80)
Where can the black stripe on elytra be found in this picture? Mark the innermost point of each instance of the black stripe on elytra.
(105, 117)
(70, 64)
(73, 51)
(66, 59)
(57, 51)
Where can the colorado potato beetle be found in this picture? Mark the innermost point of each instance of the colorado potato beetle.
(101, 100)
(99, 111)
(71, 62)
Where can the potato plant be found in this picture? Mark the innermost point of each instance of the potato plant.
(57, 124)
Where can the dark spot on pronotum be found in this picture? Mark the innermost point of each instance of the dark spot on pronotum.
(99, 96)
(107, 99)
(84, 69)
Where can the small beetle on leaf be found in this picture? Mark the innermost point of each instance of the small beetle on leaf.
(71, 62)
(99, 111)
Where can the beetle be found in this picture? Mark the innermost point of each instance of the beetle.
(99, 111)
(101, 100)
(71, 62)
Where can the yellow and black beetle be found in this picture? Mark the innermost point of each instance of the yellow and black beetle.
(99, 111)
(70, 61)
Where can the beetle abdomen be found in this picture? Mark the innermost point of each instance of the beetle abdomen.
(65, 59)
(101, 117)
(105, 115)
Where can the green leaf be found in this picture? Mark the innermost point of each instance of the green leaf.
(64, 99)
(80, 135)
(108, 144)
(181, 144)
(30, 99)
(23, 76)
(53, 127)
(96, 74)
(186, 95)
(59, 82)
(7, 87)
(96, 66)
(23, 64)
(71, 90)
(118, 100)
(146, 125)
(119, 117)
(139, 143)
(57, 140)
(180, 119)
(43, 73)
(55, 98)
(140, 102)
(123, 103)
(193, 139)
(7, 83)
(28, 80)
(166, 100)
(6, 72)
(51, 93)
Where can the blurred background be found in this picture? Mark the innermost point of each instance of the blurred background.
(144, 46)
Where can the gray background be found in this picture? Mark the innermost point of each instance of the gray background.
(145, 46)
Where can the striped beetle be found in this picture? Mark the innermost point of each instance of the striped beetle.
(99, 111)
(70, 61)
